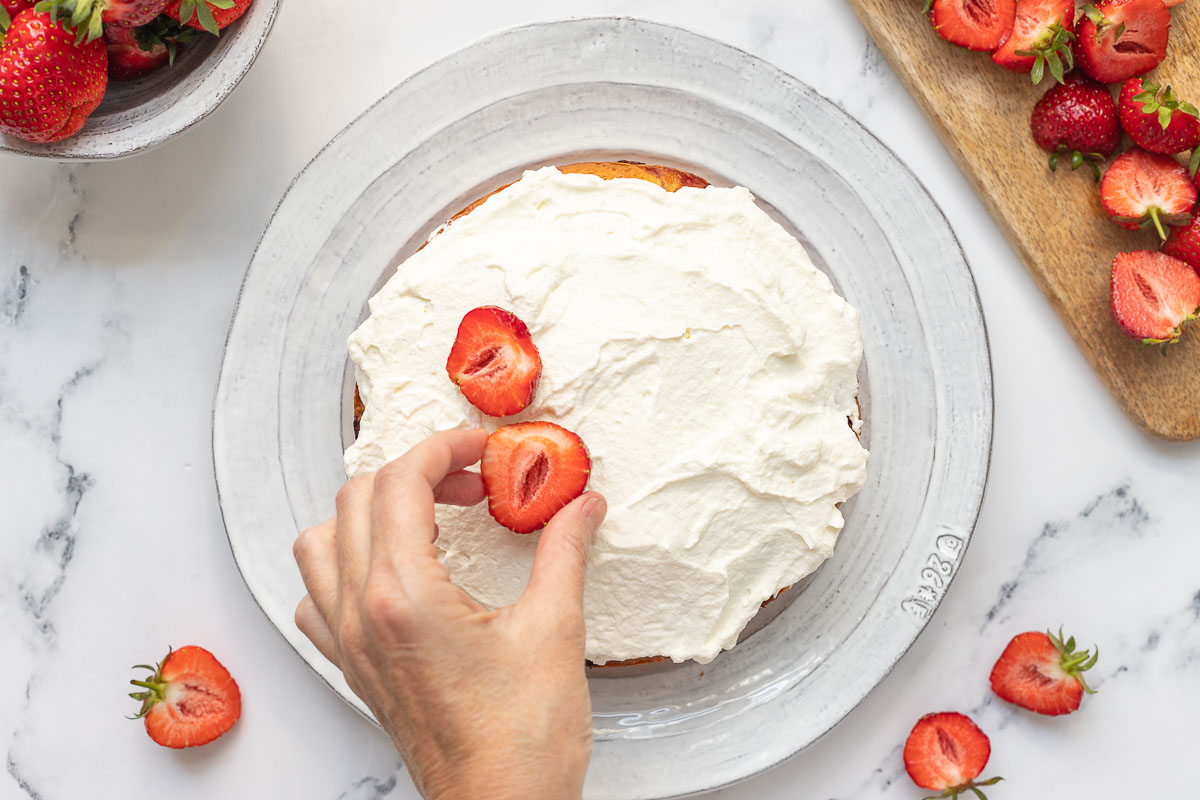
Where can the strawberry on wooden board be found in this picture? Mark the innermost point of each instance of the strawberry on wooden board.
(973, 24)
(189, 699)
(49, 84)
(1156, 119)
(946, 752)
(1184, 243)
(1119, 39)
(1040, 39)
(207, 15)
(1152, 296)
(494, 361)
(531, 470)
(1041, 672)
(1077, 118)
(1142, 189)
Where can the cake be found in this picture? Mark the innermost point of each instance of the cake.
(686, 336)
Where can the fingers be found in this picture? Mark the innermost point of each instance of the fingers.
(402, 522)
(560, 563)
(353, 535)
(312, 624)
(316, 555)
(461, 488)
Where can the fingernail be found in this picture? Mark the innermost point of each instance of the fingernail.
(593, 512)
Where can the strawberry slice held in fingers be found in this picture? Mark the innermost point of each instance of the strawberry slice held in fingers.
(1077, 118)
(1184, 243)
(494, 362)
(531, 470)
(1152, 296)
(973, 24)
(1040, 40)
(189, 699)
(1041, 672)
(1156, 119)
(1119, 39)
(946, 752)
(1142, 189)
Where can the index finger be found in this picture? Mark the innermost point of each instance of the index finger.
(402, 517)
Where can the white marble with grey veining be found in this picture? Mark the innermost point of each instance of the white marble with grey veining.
(117, 282)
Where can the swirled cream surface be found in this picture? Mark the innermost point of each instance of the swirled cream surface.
(707, 365)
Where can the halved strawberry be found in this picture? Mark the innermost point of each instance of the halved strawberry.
(531, 470)
(189, 700)
(946, 752)
(1184, 243)
(1118, 39)
(973, 24)
(494, 361)
(1041, 672)
(1144, 189)
(1156, 119)
(1040, 39)
(1152, 296)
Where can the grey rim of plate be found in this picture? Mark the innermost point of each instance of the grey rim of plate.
(604, 88)
(135, 116)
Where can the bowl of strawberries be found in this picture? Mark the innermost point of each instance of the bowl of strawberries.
(103, 79)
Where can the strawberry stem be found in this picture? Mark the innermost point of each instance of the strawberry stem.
(1154, 217)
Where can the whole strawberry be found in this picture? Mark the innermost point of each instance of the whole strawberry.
(49, 85)
(1077, 118)
(207, 15)
(1041, 672)
(1156, 119)
(90, 16)
(1184, 243)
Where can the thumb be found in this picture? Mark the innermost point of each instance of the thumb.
(560, 563)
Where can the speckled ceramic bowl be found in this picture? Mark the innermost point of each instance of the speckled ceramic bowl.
(137, 115)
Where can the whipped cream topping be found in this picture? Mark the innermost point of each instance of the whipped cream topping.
(687, 338)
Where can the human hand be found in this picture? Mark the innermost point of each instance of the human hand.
(482, 704)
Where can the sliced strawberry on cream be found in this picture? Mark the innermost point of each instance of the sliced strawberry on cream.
(494, 361)
(530, 471)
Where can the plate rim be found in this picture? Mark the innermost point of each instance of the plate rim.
(975, 498)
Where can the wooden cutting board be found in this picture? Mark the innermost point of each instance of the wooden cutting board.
(1053, 220)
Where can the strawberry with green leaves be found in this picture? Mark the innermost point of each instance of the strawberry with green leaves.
(189, 698)
(1152, 296)
(207, 15)
(136, 52)
(49, 81)
(1077, 118)
(1156, 119)
(1143, 189)
(1043, 673)
(946, 752)
(90, 16)
(1119, 39)
(1040, 39)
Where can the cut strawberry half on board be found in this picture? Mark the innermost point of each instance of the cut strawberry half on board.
(1156, 119)
(531, 470)
(1184, 243)
(1077, 118)
(494, 361)
(1152, 296)
(1142, 189)
(1122, 38)
(946, 752)
(1041, 672)
(973, 24)
(1040, 40)
(189, 699)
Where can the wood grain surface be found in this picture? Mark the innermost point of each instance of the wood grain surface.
(1053, 220)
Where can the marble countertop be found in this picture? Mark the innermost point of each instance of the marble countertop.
(117, 282)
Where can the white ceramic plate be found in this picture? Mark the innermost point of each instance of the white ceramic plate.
(139, 115)
(621, 88)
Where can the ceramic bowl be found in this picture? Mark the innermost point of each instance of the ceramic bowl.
(138, 115)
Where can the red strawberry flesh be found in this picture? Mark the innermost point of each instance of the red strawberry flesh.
(189, 700)
(494, 361)
(1034, 30)
(973, 24)
(1131, 39)
(531, 470)
(1142, 188)
(1152, 296)
(1041, 673)
(946, 752)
